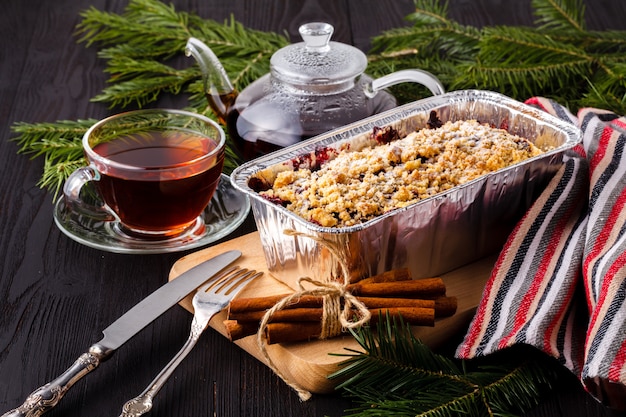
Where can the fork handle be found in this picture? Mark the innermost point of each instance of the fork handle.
(143, 402)
(47, 396)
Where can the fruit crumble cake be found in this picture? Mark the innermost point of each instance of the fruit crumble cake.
(353, 187)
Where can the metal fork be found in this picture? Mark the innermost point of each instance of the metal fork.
(209, 300)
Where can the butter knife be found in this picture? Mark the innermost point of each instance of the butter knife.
(121, 330)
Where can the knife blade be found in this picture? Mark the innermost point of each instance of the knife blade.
(121, 330)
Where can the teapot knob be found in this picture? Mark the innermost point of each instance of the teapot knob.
(316, 36)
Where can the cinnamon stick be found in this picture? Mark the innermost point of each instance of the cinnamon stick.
(289, 315)
(295, 331)
(445, 306)
(424, 288)
(400, 274)
(238, 307)
(238, 330)
(391, 293)
(382, 302)
(292, 332)
(282, 332)
(427, 288)
(315, 314)
(415, 316)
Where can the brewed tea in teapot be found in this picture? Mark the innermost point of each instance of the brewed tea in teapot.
(313, 87)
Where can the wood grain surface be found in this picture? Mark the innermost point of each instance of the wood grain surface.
(307, 364)
(57, 295)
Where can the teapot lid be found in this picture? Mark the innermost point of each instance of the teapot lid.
(318, 62)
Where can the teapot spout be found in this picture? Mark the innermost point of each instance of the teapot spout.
(217, 86)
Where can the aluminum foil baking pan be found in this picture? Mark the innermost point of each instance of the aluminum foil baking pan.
(432, 236)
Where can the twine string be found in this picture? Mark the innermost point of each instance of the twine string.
(335, 319)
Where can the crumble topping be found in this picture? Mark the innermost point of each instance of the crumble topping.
(354, 187)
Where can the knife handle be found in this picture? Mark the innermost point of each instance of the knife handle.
(47, 396)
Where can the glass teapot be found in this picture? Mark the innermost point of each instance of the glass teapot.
(313, 87)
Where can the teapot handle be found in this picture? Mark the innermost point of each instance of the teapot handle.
(425, 78)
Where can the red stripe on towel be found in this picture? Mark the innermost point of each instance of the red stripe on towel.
(599, 245)
(620, 123)
(605, 292)
(618, 363)
(521, 318)
(601, 151)
(580, 150)
(479, 316)
(554, 327)
(535, 101)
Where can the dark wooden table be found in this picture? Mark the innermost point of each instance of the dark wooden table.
(57, 295)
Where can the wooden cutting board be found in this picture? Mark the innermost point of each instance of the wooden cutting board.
(307, 364)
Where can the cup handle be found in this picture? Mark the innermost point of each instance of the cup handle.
(72, 193)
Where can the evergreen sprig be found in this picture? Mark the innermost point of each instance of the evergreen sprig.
(560, 15)
(144, 53)
(58, 143)
(143, 50)
(398, 375)
(140, 46)
(558, 58)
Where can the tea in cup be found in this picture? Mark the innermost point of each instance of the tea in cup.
(155, 171)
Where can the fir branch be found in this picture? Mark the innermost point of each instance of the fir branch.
(38, 138)
(525, 47)
(60, 145)
(607, 43)
(144, 23)
(398, 374)
(559, 15)
(563, 61)
(142, 81)
(430, 12)
(608, 90)
(432, 33)
(434, 43)
(522, 62)
(143, 49)
(137, 42)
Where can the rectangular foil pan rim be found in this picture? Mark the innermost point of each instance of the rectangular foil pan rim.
(240, 175)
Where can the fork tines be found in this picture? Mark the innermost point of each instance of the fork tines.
(230, 278)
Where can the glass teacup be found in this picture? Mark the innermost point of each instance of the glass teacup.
(155, 171)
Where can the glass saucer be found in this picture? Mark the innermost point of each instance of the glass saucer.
(226, 211)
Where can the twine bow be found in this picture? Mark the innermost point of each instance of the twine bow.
(335, 318)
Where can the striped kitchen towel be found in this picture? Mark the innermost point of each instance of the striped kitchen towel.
(559, 283)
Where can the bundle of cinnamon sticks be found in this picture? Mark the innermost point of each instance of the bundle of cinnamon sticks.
(419, 302)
